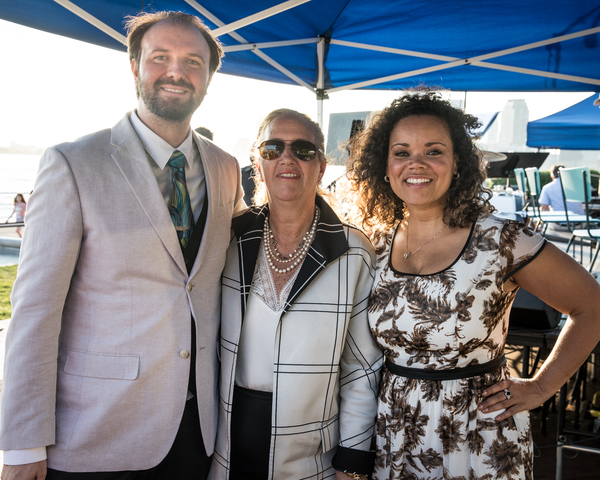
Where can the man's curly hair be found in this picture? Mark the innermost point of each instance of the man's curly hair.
(376, 201)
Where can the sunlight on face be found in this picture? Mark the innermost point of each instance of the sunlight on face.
(172, 77)
(421, 161)
(286, 178)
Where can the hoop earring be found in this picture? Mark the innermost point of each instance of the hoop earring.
(386, 179)
(456, 175)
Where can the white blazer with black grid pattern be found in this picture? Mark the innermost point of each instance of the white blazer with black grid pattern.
(326, 370)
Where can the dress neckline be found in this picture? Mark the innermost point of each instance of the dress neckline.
(391, 267)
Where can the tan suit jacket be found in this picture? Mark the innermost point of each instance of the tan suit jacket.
(96, 363)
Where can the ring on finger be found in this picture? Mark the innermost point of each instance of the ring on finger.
(507, 393)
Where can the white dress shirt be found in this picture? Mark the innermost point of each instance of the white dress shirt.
(256, 351)
(160, 151)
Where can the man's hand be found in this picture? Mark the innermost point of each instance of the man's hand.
(29, 471)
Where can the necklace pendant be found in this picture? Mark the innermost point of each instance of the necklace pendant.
(406, 255)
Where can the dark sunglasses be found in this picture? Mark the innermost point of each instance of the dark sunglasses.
(302, 149)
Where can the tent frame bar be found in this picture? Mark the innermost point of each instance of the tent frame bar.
(475, 61)
(81, 13)
(253, 46)
(223, 29)
(322, 93)
(255, 51)
(257, 17)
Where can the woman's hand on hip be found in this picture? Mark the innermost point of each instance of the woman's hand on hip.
(514, 395)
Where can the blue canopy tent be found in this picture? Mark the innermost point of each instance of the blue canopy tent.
(332, 45)
(575, 128)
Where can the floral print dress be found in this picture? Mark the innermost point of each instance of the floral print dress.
(428, 429)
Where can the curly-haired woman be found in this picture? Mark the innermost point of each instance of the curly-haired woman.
(447, 274)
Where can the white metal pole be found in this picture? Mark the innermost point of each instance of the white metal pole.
(320, 80)
(320, 112)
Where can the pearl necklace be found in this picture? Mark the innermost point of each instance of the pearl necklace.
(297, 256)
(408, 252)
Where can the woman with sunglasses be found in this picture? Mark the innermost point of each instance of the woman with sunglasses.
(299, 367)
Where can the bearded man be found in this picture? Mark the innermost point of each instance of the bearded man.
(111, 356)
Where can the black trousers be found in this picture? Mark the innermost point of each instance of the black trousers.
(186, 460)
(250, 434)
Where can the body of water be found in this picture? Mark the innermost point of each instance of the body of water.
(17, 175)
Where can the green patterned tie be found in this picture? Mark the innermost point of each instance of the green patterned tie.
(181, 208)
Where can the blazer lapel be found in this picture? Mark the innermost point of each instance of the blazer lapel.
(131, 158)
(330, 243)
(210, 165)
(248, 229)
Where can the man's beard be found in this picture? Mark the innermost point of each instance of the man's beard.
(172, 110)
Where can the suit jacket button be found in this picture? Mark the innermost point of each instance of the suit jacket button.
(189, 287)
(184, 354)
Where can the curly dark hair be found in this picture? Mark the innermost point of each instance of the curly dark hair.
(376, 201)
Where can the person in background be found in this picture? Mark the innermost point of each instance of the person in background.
(299, 367)
(19, 210)
(111, 353)
(205, 132)
(248, 181)
(246, 171)
(447, 272)
(551, 197)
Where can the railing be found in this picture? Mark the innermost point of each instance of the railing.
(12, 224)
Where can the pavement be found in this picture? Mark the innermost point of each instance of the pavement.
(9, 246)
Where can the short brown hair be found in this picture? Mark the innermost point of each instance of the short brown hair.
(555, 169)
(138, 25)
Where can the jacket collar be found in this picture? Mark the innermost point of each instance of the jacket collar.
(330, 243)
(132, 160)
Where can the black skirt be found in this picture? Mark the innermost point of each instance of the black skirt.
(250, 434)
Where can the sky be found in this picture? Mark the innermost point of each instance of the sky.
(55, 89)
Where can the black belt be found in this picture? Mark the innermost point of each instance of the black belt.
(453, 374)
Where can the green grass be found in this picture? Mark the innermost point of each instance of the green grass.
(7, 278)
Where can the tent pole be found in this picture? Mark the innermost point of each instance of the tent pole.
(321, 94)
(320, 111)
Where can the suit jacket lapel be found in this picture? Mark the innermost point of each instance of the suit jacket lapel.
(210, 166)
(131, 158)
